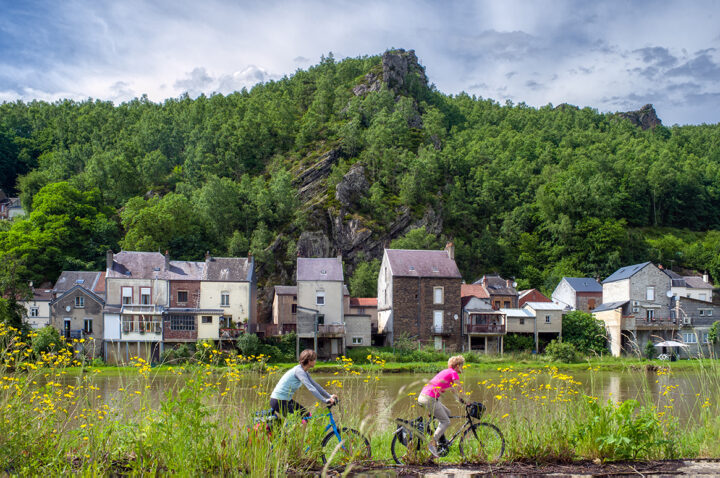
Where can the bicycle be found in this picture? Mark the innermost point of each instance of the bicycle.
(340, 446)
(480, 441)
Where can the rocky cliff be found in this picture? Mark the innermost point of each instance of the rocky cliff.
(645, 117)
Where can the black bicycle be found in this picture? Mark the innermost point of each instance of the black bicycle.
(480, 442)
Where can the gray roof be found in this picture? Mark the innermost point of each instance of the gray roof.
(285, 290)
(98, 298)
(419, 263)
(185, 270)
(479, 305)
(496, 285)
(545, 305)
(517, 312)
(625, 272)
(676, 280)
(609, 306)
(229, 269)
(583, 284)
(319, 269)
(696, 282)
(69, 279)
(137, 265)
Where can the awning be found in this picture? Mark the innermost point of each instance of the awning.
(671, 343)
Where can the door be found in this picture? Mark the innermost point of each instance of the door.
(438, 343)
(67, 328)
(438, 321)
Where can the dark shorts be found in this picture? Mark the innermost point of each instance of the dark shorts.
(286, 407)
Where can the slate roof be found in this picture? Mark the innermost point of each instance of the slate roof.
(522, 313)
(99, 299)
(137, 265)
(697, 282)
(676, 280)
(420, 263)
(86, 279)
(496, 285)
(625, 272)
(363, 302)
(472, 303)
(229, 269)
(609, 306)
(545, 305)
(584, 284)
(185, 270)
(285, 290)
(42, 294)
(473, 290)
(319, 269)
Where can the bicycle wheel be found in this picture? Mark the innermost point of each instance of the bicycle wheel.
(354, 447)
(482, 442)
(405, 446)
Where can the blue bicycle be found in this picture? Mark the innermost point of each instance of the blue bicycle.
(340, 446)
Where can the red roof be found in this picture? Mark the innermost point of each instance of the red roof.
(473, 290)
(363, 302)
(100, 284)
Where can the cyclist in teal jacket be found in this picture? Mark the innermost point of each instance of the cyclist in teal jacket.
(281, 398)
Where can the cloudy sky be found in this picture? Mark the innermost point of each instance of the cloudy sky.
(609, 55)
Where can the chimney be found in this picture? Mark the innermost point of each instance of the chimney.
(31, 284)
(660, 266)
(706, 278)
(207, 256)
(339, 258)
(507, 282)
(167, 260)
(109, 259)
(450, 249)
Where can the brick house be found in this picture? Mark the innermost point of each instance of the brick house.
(531, 295)
(502, 292)
(419, 295)
(578, 293)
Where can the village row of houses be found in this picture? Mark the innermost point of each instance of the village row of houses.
(144, 302)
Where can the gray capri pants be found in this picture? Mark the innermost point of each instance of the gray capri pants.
(437, 410)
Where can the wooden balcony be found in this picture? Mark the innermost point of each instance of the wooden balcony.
(485, 329)
(656, 324)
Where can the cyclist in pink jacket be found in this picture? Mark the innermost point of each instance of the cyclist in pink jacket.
(430, 397)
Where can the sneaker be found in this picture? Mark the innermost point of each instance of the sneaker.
(433, 449)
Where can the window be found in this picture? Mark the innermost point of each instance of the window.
(293, 308)
(182, 322)
(88, 326)
(522, 321)
(145, 295)
(547, 319)
(127, 295)
(182, 296)
(321, 319)
(706, 337)
(506, 304)
(702, 297)
(225, 299)
(79, 302)
(650, 314)
(357, 340)
(650, 293)
(320, 297)
(497, 304)
(438, 295)
(701, 312)
(689, 338)
(207, 319)
(34, 311)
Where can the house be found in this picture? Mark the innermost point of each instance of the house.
(531, 295)
(696, 317)
(137, 294)
(419, 295)
(284, 309)
(693, 287)
(38, 307)
(578, 293)
(636, 307)
(10, 207)
(484, 327)
(548, 321)
(520, 321)
(320, 306)
(367, 306)
(502, 292)
(229, 284)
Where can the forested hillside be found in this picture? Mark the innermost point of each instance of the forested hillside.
(343, 159)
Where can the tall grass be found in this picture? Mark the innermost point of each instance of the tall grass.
(55, 421)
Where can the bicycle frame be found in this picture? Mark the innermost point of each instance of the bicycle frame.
(332, 425)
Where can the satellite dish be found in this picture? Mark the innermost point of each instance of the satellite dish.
(455, 316)
(514, 284)
(669, 293)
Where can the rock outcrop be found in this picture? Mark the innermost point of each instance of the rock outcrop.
(645, 117)
(353, 187)
(398, 69)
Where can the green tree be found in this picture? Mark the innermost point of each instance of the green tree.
(417, 239)
(363, 282)
(587, 334)
(12, 291)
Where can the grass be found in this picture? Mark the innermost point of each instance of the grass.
(56, 421)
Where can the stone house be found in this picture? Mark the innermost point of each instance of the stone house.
(531, 295)
(484, 327)
(578, 293)
(419, 295)
(37, 308)
(636, 308)
(548, 321)
(520, 321)
(693, 287)
(695, 317)
(229, 284)
(502, 292)
(321, 306)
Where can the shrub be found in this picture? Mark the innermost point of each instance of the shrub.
(47, 340)
(179, 354)
(562, 352)
(249, 344)
(519, 343)
(650, 350)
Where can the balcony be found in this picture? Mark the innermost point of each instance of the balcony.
(272, 330)
(655, 324)
(142, 330)
(140, 309)
(485, 329)
(440, 330)
(331, 330)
